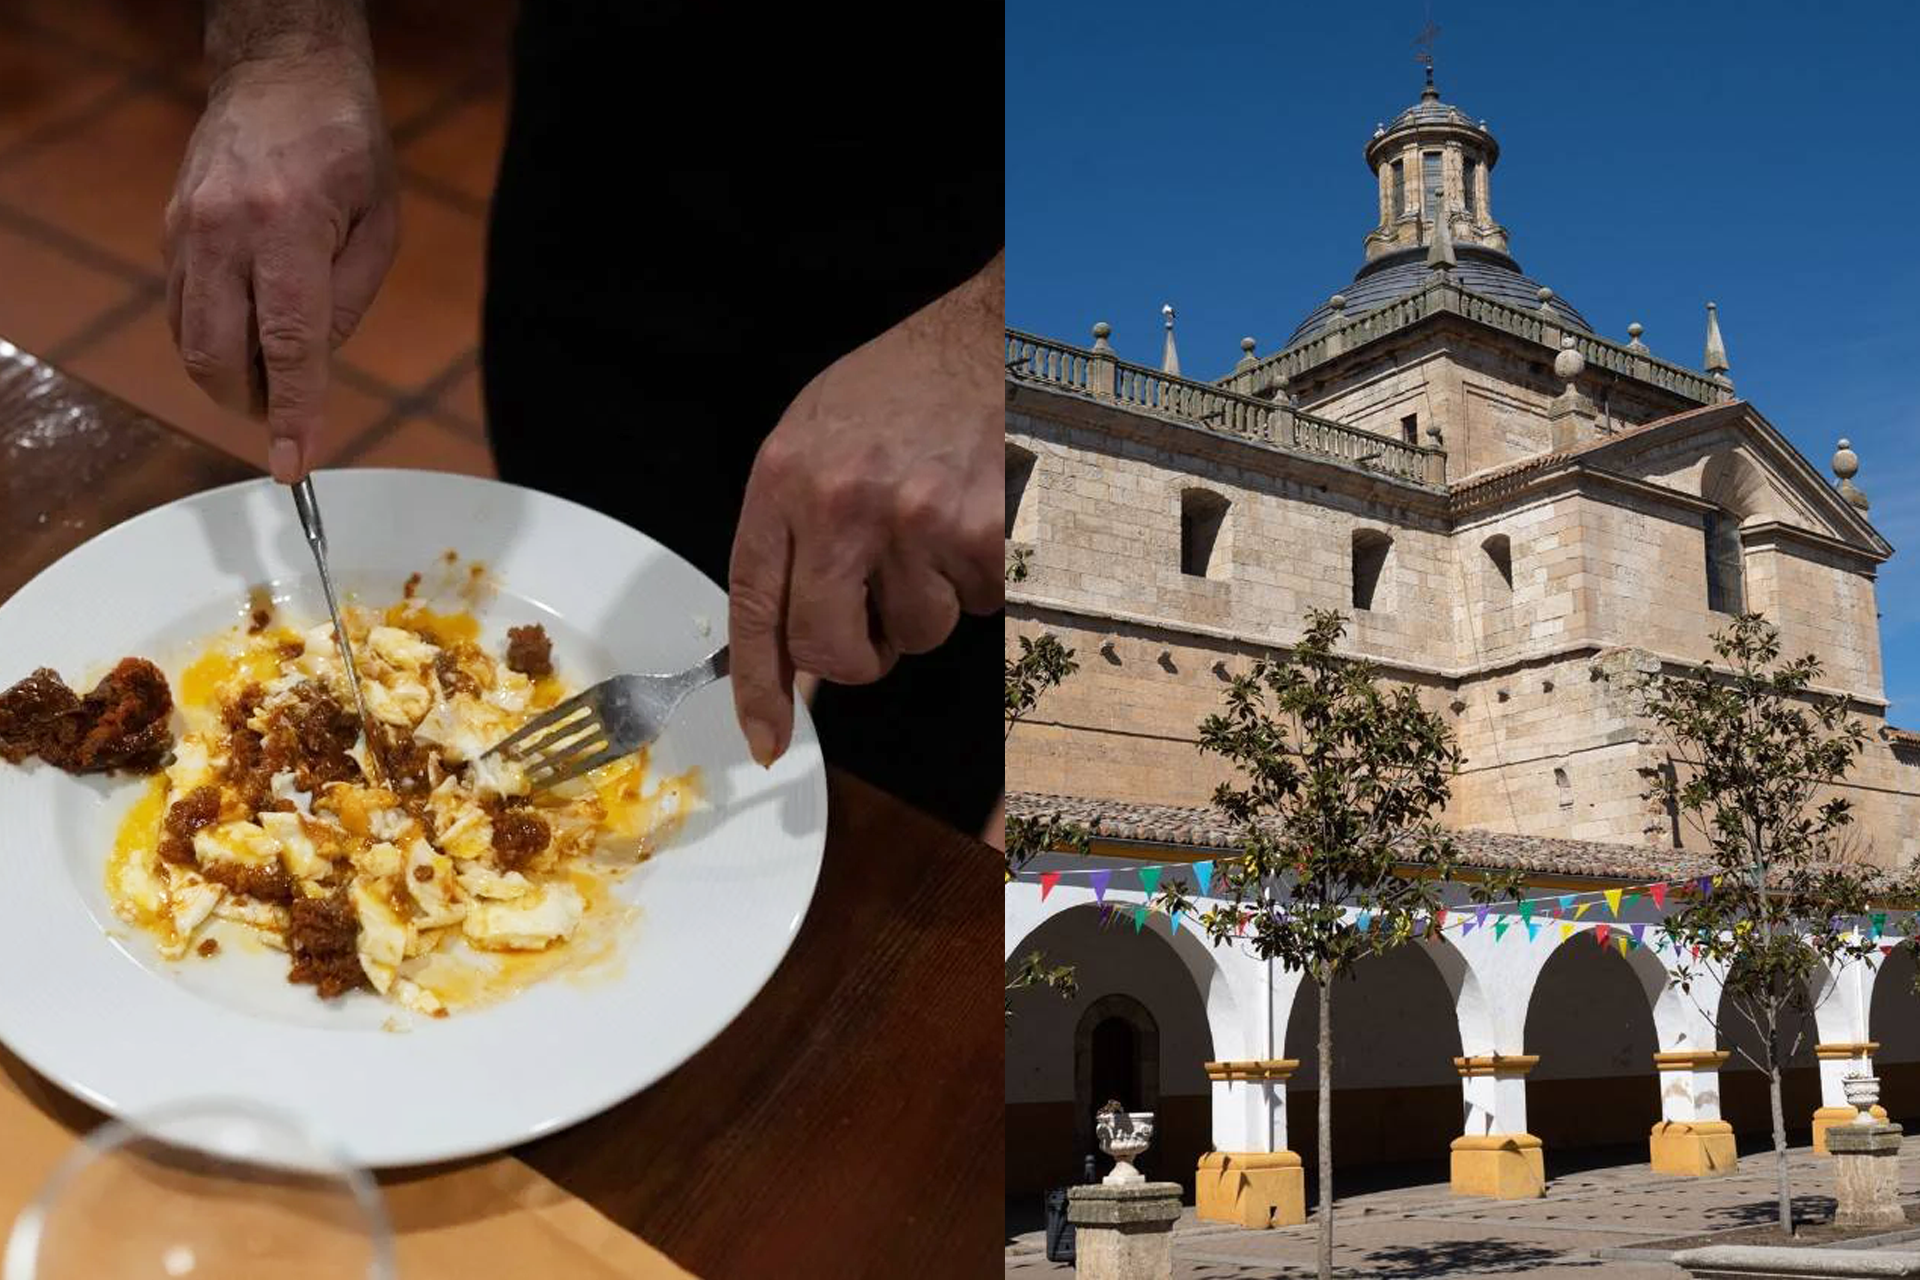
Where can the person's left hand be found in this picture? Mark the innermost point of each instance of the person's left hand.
(875, 512)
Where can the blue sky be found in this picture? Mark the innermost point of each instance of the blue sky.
(1653, 157)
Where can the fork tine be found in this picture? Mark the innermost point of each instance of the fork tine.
(548, 770)
(520, 741)
(588, 765)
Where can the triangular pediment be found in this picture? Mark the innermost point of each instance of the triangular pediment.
(1730, 455)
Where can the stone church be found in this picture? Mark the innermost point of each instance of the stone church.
(1517, 514)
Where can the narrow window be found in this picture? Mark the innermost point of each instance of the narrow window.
(1370, 549)
(1726, 587)
(1472, 181)
(1410, 428)
(1201, 514)
(1430, 182)
(1399, 188)
(1563, 787)
(1499, 551)
(1019, 472)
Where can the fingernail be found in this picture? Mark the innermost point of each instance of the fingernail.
(284, 460)
(760, 744)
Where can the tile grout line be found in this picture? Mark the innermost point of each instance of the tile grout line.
(416, 403)
(106, 323)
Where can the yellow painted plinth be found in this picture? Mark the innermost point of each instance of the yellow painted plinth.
(1505, 1166)
(1693, 1148)
(1251, 1188)
(1826, 1117)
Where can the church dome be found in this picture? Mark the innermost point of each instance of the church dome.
(1433, 165)
(1481, 270)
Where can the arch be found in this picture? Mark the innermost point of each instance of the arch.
(1020, 515)
(1593, 1016)
(1732, 483)
(1185, 993)
(1369, 564)
(1498, 551)
(1398, 1023)
(1893, 1021)
(1203, 514)
(1090, 1091)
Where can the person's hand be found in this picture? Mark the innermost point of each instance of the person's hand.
(282, 224)
(875, 512)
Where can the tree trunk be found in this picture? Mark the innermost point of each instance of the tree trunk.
(1326, 1128)
(1779, 1137)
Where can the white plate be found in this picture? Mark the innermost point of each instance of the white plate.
(85, 999)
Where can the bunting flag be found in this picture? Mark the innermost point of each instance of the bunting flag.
(1706, 886)
(1628, 899)
(1533, 931)
(1600, 934)
(1466, 927)
(1613, 902)
(1048, 879)
(1886, 949)
(1106, 914)
(1500, 928)
(1366, 920)
(1622, 944)
(1480, 916)
(1581, 910)
(1440, 918)
(1150, 879)
(1100, 881)
(1879, 923)
(1566, 931)
(1658, 892)
(1241, 927)
(1139, 919)
(1176, 922)
(1635, 930)
(1203, 872)
(1526, 917)
(1566, 905)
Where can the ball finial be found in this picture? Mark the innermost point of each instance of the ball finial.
(1545, 294)
(1569, 363)
(1247, 345)
(1634, 330)
(1103, 330)
(1338, 302)
(1846, 463)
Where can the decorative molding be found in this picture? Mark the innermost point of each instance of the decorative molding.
(1840, 1050)
(1504, 1065)
(1268, 1069)
(1690, 1059)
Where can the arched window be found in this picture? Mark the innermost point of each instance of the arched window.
(1370, 548)
(1499, 553)
(1399, 188)
(1019, 472)
(1726, 576)
(1202, 512)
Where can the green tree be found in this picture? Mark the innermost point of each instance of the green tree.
(1754, 748)
(1342, 781)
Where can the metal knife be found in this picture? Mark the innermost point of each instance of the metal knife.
(309, 509)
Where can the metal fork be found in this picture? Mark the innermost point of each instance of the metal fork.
(597, 726)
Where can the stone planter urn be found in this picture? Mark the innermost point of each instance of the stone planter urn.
(1863, 1092)
(1123, 1135)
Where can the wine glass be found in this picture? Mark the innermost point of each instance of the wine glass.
(207, 1191)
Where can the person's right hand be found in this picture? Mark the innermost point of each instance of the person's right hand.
(282, 224)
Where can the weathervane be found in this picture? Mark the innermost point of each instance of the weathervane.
(1424, 43)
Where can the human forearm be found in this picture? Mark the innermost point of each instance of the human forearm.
(240, 31)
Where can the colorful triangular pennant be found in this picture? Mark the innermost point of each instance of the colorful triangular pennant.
(1139, 918)
(1150, 879)
(1203, 872)
(1613, 902)
(1100, 880)
(1048, 879)
(1658, 892)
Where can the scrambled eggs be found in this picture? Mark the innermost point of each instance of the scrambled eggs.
(408, 865)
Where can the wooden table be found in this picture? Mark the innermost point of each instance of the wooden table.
(848, 1123)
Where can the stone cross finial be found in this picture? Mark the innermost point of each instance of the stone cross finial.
(1169, 357)
(1634, 331)
(1101, 332)
(1846, 465)
(1440, 248)
(1716, 365)
(1247, 360)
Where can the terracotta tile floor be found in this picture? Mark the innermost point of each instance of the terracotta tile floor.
(97, 100)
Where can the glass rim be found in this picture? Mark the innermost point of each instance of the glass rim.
(21, 1256)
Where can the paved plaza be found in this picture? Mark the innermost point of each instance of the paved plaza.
(1410, 1233)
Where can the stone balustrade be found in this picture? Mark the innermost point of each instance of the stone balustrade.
(1099, 375)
